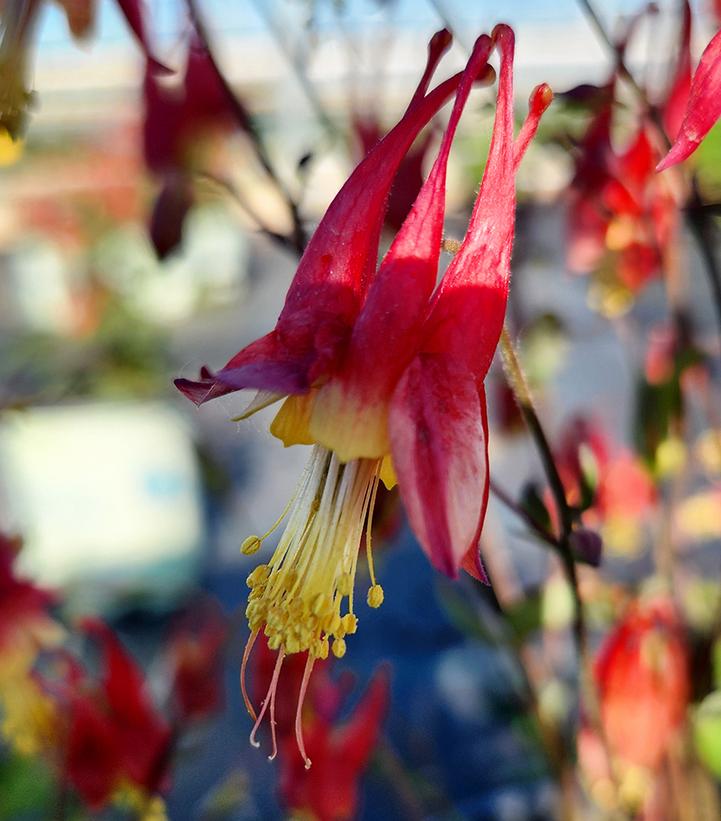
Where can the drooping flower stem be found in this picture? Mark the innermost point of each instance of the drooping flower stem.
(519, 386)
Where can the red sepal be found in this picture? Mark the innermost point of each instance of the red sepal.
(439, 444)
(704, 106)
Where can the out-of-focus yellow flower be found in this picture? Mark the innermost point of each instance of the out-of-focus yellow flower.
(707, 450)
(10, 150)
(29, 721)
(699, 516)
(671, 455)
(622, 535)
(146, 807)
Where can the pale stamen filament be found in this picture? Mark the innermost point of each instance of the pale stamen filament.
(299, 710)
(267, 699)
(243, 666)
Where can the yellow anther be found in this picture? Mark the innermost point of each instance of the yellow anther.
(375, 596)
(274, 641)
(322, 648)
(258, 576)
(349, 623)
(345, 584)
(321, 605)
(251, 545)
(338, 648)
(331, 624)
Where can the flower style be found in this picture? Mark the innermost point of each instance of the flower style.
(383, 373)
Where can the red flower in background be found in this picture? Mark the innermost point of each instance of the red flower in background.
(23, 606)
(703, 106)
(642, 677)
(111, 734)
(195, 655)
(377, 362)
(619, 211)
(610, 485)
(20, 21)
(180, 119)
(27, 718)
(339, 750)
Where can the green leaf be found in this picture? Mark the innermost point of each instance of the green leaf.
(524, 616)
(707, 732)
(27, 788)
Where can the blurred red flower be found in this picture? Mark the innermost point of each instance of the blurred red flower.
(620, 212)
(23, 606)
(110, 736)
(368, 132)
(194, 653)
(338, 749)
(642, 677)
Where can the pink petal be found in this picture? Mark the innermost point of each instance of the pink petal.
(704, 106)
(439, 446)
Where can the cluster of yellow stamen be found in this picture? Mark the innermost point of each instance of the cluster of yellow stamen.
(299, 597)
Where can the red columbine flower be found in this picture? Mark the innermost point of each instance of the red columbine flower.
(179, 120)
(340, 751)
(703, 107)
(111, 734)
(619, 211)
(383, 371)
(195, 656)
(642, 677)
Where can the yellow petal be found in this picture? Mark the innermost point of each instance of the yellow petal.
(291, 422)
(351, 425)
(388, 473)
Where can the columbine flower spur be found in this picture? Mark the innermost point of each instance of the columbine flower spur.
(382, 372)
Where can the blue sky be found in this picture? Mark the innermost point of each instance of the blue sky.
(241, 17)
